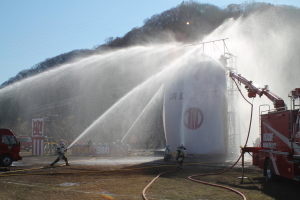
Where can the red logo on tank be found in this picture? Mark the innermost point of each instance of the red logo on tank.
(193, 118)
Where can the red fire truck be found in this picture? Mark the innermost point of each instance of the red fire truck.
(9, 148)
(279, 151)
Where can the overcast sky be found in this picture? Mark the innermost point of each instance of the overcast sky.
(34, 30)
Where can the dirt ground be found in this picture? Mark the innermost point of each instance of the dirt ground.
(126, 178)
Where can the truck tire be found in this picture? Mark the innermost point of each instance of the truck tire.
(6, 161)
(270, 176)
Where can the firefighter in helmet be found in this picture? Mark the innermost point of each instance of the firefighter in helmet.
(168, 153)
(180, 155)
(61, 150)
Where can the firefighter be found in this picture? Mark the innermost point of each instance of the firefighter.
(168, 153)
(180, 155)
(61, 150)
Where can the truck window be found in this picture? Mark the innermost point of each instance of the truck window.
(8, 139)
(25, 139)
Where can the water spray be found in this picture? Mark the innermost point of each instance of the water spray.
(142, 113)
(110, 109)
(156, 77)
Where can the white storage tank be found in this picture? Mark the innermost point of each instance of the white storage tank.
(195, 108)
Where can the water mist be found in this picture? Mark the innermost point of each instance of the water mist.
(267, 47)
(101, 97)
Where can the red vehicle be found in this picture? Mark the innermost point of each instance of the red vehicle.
(9, 148)
(279, 151)
(26, 142)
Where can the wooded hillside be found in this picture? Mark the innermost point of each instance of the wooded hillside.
(161, 28)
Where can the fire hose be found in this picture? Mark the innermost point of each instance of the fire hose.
(144, 191)
(216, 185)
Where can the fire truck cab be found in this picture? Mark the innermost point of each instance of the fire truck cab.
(279, 151)
(9, 148)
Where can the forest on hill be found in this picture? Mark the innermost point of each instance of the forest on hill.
(170, 25)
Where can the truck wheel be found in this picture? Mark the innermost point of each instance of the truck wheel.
(270, 176)
(6, 161)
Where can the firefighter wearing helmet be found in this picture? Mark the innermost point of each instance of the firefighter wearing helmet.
(61, 150)
(168, 153)
(180, 155)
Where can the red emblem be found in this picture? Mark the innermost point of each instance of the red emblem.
(193, 118)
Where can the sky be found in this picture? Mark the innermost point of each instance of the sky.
(34, 30)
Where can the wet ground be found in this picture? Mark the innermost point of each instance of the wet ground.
(84, 160)
(126, 177)
(147, 158)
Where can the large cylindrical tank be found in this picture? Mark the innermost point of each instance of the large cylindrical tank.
(195, 108)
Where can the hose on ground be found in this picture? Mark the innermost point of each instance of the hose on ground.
(216, 185)
(144, 191)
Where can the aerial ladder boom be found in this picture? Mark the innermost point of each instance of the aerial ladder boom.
(254, 90)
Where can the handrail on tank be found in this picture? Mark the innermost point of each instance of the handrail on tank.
(212, 41)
